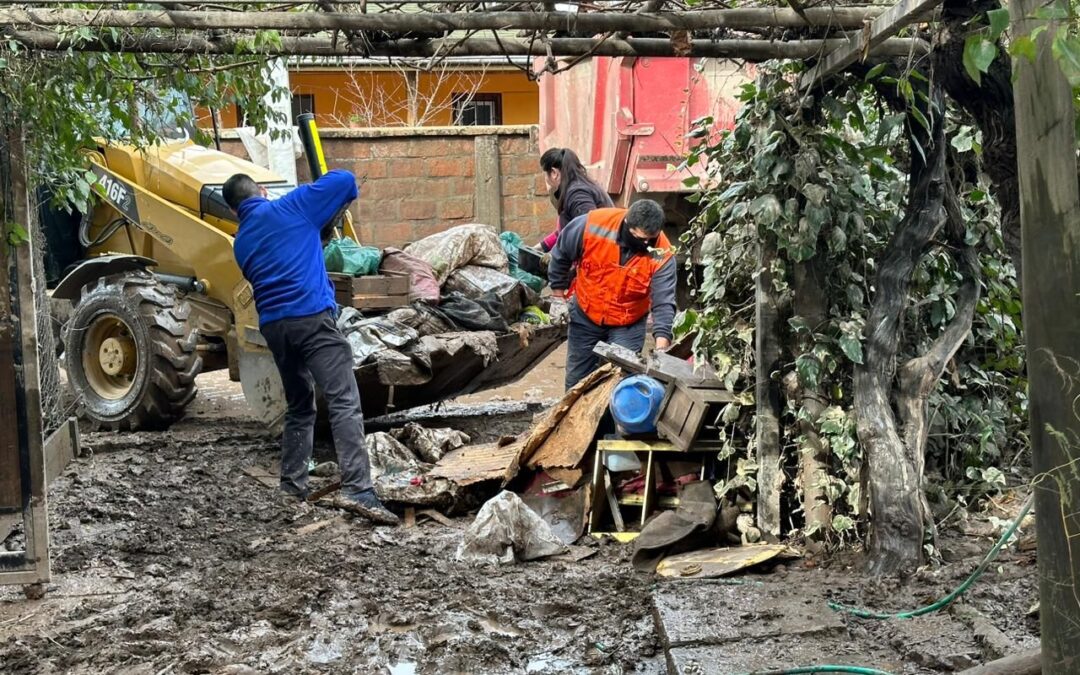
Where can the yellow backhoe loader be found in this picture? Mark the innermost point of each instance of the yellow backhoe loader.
(158, 297)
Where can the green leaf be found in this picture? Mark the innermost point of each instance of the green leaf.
(1053, 12)
(17, 234)
(1024, 46)
(852, 348)
(1067, 51)
(979, 53)
(999, 22)
(766, 209)
(809, 369)
(842, 523)
(875, 71)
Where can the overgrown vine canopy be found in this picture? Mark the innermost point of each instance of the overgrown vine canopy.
(824, 182)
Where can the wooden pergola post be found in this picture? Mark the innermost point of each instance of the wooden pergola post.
(1050, 218)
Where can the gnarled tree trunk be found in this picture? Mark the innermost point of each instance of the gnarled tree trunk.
(895, 480)
(920, 375)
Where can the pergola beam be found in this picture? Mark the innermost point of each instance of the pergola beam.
(750, 50)
(882, 28)
(404, 22)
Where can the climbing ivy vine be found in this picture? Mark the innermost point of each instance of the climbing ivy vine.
(823, 181)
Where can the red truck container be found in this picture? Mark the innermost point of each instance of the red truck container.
(628, 119)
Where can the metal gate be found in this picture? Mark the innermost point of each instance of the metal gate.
(27, 460)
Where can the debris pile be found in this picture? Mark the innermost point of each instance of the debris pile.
(637, 451)
(444, 299)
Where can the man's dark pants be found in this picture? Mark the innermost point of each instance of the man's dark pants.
(310, 351)
(584, 334)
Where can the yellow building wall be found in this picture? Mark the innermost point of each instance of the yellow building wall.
(379, 98)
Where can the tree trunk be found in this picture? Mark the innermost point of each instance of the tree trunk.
(767, 393)
(919, 376)
(812, 306)
(895, 483)
(990, 105)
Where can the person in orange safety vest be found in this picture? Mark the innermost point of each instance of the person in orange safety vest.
(625, 270)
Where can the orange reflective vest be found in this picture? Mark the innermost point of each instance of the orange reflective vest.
(612, 294)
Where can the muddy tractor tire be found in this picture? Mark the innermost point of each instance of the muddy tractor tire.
(131, 353)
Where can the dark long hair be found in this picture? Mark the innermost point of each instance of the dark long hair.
(570, 169)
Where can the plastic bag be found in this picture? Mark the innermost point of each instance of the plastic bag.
(460, 246)
(511, 243)
(345, 256)
(506, 531)
(483, 313)
(476, 282)
(430, 444)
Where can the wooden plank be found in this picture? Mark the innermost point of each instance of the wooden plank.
(10, 477)
(619, 445)
(767, 393)
(487, 199)
(371, 301)
(478, 463)
(861, 44)
(1050, 219)
(374, 284)
(61, 448)
(613, 502)
(30, 566)
(659, 365)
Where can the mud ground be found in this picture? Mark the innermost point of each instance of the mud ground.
(167, 558)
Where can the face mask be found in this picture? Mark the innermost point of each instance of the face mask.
(638, 246)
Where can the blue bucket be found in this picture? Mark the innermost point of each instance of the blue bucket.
(635, 404)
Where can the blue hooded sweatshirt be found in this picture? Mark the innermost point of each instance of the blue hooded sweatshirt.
(279, 250)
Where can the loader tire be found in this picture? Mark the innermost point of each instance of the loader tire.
(131, 353)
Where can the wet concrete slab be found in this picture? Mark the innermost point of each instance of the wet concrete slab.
(774, 653)
(715, 612)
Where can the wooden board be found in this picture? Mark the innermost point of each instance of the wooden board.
(376, 284)
(371, 301)
(376, 291)
(573, 435)
(717, 562)
(478, 463)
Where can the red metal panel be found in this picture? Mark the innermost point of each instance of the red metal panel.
(629, 118)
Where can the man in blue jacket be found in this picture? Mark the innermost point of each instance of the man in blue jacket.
(279, 249)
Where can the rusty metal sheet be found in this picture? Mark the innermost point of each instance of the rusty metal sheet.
(571, 438)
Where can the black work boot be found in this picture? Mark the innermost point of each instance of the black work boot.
(366, 505)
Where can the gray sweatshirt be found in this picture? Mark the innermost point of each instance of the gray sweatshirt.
(571, 246)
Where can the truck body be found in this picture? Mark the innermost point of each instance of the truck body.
(628, 119)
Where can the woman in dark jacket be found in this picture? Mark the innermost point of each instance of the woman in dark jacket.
(573, 192)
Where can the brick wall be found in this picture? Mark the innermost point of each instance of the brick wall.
(422, 180)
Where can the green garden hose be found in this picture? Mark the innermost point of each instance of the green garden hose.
(951, 597)
(822, 669)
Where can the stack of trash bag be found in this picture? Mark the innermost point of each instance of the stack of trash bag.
(459, 246)
(464, 292)
(345, 256)
(475, 266)
(511, 242)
